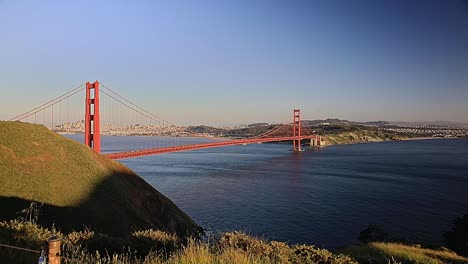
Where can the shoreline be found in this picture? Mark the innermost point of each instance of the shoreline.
(422, 138)
(107, 135)
(391, 140)
(219, 138)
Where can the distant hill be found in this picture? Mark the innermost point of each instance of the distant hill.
(448, 124)
(78, 186)
(205, 129)
(325, 122)
(258, 124)
(340, 122)
(373, 123)
(250, 131)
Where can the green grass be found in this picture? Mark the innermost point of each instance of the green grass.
(78, 186)
(358, 135)
(81, 188)
(43, 166)
(379, 252)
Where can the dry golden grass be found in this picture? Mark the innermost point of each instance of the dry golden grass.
(153, 246)
(157, 247)
(379, 252)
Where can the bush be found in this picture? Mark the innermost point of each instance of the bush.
(154, 246)
(25, 234)
(279, 252)
(154, 240)
(79, 238)
(373, 233)
(457, 238)
(244, 242)
(311, 254)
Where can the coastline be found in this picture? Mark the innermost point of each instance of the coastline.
(389, 140)
(422, 138)
(326, 138)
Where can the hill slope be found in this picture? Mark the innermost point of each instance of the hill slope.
(360, 135)
(382, 252)
(78, 186)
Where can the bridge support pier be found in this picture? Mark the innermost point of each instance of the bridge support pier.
(313, 142)
(316, 141)
(92, 124)
(320, 142)
(297, 130)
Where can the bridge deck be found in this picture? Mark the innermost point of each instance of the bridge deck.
(155, 151)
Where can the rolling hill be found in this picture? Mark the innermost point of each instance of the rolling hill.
(78, 187)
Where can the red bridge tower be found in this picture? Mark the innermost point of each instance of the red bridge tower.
(297, 130)
(92, 128)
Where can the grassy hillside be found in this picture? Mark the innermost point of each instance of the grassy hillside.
(153, 246)
(77, 186)
(379, 252)
(355, 134)
(156, 247)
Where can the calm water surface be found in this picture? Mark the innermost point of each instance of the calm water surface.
(413, 189)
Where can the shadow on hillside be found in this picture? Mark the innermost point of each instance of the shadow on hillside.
(119, 205)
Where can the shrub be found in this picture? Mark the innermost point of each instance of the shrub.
(25, 234)
(311, 254)
(245, 242)
(147, 240)
(457, 238)
(373, 233)
(79, 238)
(157, 247)
(280, 252)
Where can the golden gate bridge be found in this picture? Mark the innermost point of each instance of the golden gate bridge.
(135, 114)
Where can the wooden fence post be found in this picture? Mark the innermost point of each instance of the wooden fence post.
(54, 250)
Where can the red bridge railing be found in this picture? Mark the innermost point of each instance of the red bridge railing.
(155, 151)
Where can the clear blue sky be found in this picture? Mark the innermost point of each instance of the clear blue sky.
(224, 62)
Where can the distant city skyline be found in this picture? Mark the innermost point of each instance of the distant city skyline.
(240, 62)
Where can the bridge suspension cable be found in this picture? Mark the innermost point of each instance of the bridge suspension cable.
(271, 131)
(164, 133)
(132, 108)
(48, 104)
(306, 128)
(164, 124)
(132, 105)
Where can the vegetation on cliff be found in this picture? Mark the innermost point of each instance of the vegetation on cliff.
(336, 132)
(124, 220)
(388, 252)
(334, 135)
(77, 187)
(152, 246)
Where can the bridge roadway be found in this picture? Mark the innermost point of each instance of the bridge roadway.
(156, 151)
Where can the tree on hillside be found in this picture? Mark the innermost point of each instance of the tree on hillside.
(457, 238)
